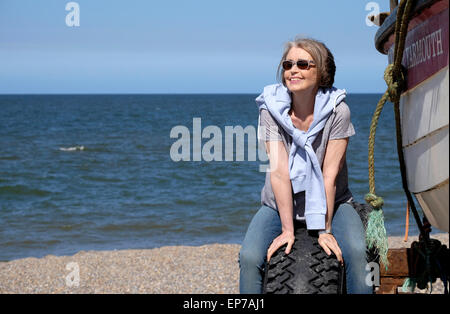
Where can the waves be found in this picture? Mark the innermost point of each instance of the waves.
(9, 158)
(71, 149)
(20, 189)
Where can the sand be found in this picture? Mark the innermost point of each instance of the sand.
(208, 269)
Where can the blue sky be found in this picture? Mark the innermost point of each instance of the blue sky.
(176, 46)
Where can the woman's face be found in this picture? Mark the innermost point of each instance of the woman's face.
(300, 80)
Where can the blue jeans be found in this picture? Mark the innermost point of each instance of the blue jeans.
(266, 226)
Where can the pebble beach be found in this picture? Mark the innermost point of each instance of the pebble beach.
(208, 269)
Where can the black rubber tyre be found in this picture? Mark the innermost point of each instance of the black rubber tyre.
(307, 269)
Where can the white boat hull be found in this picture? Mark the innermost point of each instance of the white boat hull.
(434, 203)
(424, 106)
(425, 120)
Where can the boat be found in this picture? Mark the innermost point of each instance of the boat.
(424, 103)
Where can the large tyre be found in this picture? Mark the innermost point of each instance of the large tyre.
(307, 269)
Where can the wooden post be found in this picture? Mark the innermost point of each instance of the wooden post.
(398, 271)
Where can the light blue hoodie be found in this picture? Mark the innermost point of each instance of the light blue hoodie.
(304, 168)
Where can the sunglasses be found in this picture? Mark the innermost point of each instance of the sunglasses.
(301, 64)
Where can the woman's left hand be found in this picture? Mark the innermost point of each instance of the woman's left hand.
(329, 244)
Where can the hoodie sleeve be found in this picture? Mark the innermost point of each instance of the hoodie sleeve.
(268, 128)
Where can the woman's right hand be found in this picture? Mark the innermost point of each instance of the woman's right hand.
(285, 237)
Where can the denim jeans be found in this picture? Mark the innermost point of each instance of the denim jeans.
(266, 226)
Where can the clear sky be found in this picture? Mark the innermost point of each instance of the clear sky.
(178, 46)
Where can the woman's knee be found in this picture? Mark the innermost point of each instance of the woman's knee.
(357, 250)
(347, 223)
(354, 251)
(346, 212)
(352, 242)
(349, 231)
(264, 227)
(251, 257)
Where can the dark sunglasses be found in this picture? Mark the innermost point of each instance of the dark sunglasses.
(301, 64)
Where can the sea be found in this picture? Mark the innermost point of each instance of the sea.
(112, 172)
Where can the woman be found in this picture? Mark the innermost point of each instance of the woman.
(306, 127)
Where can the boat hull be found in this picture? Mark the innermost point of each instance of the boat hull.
(424, 108)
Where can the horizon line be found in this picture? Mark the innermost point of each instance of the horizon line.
(168, 94)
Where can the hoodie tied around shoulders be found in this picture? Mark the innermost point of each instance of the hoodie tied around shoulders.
(304, 168)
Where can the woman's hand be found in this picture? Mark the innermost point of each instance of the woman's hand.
(285, 237)
(329, 244)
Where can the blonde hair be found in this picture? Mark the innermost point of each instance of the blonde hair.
(322, 56)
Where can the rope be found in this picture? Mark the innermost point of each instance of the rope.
(395, 80)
